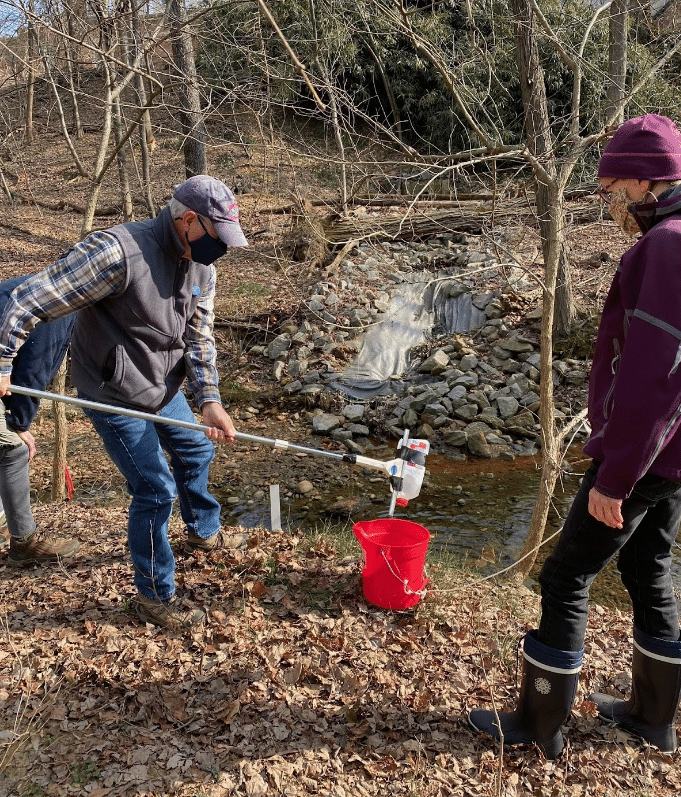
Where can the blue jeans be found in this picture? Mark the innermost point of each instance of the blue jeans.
(651, 521)
(137, 449)
(15, 490)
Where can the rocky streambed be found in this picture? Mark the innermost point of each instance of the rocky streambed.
(468, 381)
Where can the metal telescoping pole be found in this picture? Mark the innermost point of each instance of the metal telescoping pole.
(282, 445)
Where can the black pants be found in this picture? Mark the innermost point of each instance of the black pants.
(651, 521)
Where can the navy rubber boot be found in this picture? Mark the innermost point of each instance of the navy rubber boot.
(547, 692)
(650, 712)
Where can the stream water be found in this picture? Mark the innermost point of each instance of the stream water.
(478, 510)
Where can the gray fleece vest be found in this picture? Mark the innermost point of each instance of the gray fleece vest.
(128, 349)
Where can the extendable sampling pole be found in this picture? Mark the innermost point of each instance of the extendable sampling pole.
(282, 445)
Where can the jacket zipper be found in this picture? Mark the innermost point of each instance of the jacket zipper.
(613, 369)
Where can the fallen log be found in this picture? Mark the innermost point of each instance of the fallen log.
(63, 204)
(419, 222)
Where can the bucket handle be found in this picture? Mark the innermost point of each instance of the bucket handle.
(405, 581)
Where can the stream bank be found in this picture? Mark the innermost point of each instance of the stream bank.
(440, 337)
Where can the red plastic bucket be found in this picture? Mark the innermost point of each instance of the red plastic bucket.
(394, 558)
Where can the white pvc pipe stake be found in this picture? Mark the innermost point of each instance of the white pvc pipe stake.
(275, 508)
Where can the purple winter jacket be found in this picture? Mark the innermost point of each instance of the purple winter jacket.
(635, 382)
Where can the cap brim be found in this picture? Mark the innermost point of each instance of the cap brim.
(230, 233)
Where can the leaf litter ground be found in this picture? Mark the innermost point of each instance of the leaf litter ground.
(295, 686)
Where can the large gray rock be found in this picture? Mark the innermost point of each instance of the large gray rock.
(478, 446)
(324, 423)
(455, 437)
(425, 431)
(522, 424)
(279, 346)
(410, 418)
(508, 406)
(293, 387)
(480, 398)
(457, 393)
(436, 363)
(278, 370)
(471, 379)
(467, 412)
(314, 305)
(296, 368)
(529, 399)
(468, 361)
(517, 344)
(353, 412)
(358, 429)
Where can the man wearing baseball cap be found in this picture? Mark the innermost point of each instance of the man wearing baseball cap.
(629, 502)
(144, 292)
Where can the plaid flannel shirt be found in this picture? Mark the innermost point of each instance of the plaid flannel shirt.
(94, 269)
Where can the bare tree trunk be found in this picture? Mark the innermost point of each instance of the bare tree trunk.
(549, 207)
(124, 177)
(565, 311)
(60, 437)
(72, 70)
(121, 19)
(617, 58)
(337, 132)
(62, 117)
(540, 144)
(100, 159)
(333, 105)
(31, 48)
(189, 112)
(147, 140)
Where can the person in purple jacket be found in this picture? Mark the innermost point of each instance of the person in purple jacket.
(629, 503)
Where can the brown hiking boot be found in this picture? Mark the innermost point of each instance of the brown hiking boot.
(39, 547)
(214, 543)
(167, 614)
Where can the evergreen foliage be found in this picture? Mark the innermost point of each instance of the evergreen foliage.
(358, 49)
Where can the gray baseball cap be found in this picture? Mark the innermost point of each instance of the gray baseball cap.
(210, 197)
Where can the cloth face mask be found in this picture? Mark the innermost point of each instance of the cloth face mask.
(619, 210)
(207, 249)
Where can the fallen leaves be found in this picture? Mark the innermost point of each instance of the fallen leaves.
(296, 685)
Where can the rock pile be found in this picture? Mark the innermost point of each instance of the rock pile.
(473, 395)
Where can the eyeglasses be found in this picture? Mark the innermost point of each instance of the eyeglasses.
(603, 192)
(205, 229)
(217, 240)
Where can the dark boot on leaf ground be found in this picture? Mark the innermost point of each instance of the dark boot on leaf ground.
(650, 712)
(167, 614)
(220, 541)
(547, 692)
(38, 548)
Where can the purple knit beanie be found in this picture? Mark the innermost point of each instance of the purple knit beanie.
(645, 148)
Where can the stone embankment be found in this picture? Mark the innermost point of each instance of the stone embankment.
(472, 386)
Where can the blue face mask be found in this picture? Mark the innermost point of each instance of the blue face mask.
(206, 249)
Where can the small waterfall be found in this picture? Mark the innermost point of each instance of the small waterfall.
(415, 310)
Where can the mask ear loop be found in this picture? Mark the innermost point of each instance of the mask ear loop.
(650, 193)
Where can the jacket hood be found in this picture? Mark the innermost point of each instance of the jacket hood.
(648, 214)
